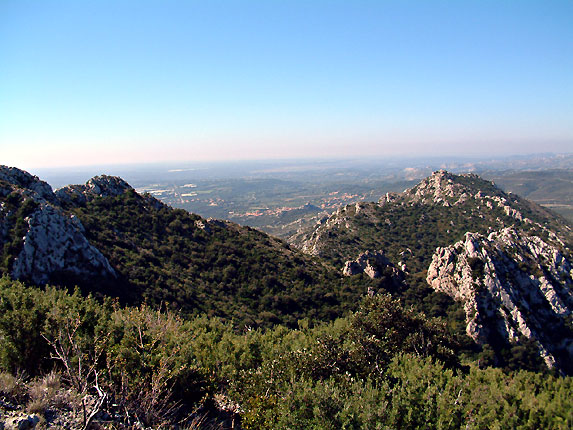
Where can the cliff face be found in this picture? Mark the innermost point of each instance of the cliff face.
(55, 246)
(44, 242)
(511, 285)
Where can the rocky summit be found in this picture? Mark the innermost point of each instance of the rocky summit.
(98, 186)
(505, 259)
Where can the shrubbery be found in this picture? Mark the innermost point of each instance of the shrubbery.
(382, 367)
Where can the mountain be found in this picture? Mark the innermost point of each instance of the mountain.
(496, 266)
(40, 242)
(437, 211)
(506, 260)
(110, 240)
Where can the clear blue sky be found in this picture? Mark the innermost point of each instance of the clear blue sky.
(91, 82)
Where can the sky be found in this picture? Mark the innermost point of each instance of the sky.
(136, 81)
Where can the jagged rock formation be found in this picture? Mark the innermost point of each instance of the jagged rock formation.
(50, 243)
(374, 264)
(511, 285)
(436, 212)
(144, 250)
(98, 186)
(526, 260)
(55, 245)
(25, 181)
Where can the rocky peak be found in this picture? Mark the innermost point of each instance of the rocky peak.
(27, 181)
(98, 186)
(107, 186)
(511, 285)
(442, 188)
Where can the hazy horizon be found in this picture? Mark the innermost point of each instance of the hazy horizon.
(142, 82)
(319, 168)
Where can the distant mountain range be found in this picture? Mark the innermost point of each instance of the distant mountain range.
(454, 246)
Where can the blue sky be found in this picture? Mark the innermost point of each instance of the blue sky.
(100, 82)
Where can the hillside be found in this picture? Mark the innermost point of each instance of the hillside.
(182, 348)
(551, 188)
(383, 366)
(413, 230)
(109, 240)
(436, 212)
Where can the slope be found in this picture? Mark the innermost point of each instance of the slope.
(112, 241)
(515, 286)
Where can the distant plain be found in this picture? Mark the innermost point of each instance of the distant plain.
(283, 196)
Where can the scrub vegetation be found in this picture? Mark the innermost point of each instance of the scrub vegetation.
(383, 366)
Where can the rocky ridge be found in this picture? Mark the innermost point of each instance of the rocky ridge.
(477, 204)
(505, 259)
(511, 285)
(53, 243)
(25, 181)
(98, 186)
(442, 188)
(109, 240)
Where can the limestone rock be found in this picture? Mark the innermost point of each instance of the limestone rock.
(98, 186)
(55, 244)
(374, 264)
(53, 241)
(25, 180)
(511, 285)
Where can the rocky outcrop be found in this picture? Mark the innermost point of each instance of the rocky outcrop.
(374, 264)
(472, 203)
(25, 180)
(440, 188)
(511, 285)
(512, 275)
(98, 186)
(55, 245)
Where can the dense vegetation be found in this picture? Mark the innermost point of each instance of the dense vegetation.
(381, 367)
(171, 257)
